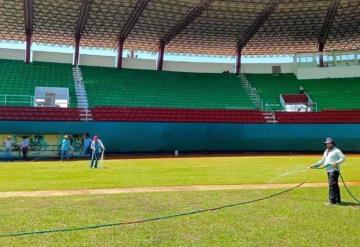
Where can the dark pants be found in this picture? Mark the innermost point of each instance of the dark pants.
(334, 189)
(94, 159)
(25, 152)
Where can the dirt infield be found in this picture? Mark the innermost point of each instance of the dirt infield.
(158, 189)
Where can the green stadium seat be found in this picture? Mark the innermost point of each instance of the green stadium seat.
(144, 88)
(18, 78)
(327, 93)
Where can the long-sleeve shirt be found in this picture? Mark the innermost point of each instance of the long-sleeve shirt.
(97, 146)
(65, 144)
(331, 156)
(8, 144)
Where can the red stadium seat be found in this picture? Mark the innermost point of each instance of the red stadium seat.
(319, 117)
(39, 114)
(176, 115)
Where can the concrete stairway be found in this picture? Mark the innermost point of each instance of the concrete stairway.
(81, 96)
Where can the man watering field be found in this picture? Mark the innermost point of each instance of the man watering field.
(331, 161)
(97, 149)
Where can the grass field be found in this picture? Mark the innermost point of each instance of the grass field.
(165, 172)
(297, 218)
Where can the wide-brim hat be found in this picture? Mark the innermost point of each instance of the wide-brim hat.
(329, 140)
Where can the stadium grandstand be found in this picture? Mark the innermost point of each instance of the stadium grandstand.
(187, 123)
(121, 96)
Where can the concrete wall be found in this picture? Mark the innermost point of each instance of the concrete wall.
(199, 137)
(198, 67)
(134, 63)
(15, 54)
(266, 68)
(53, 57)
(328, 72)
(205, 67)
(95, 60)
(148, 64)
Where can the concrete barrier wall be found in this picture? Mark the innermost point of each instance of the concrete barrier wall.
(200, 137)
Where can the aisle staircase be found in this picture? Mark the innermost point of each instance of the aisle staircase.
(81, 96)
(268, 113)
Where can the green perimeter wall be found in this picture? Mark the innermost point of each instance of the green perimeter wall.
(199, 137)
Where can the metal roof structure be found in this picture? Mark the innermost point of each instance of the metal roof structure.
(212, 27)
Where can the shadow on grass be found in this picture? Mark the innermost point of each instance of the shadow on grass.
(349, 204)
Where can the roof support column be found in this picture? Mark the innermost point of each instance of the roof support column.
(28, 48)
(77, 51)
(160, 60)
(238, 60)
(120, 50)
(321, 55)
(28, 19)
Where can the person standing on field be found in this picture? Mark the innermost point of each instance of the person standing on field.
(331, 161)
(97, 149)
(8, 143)
(65, 148)
(25, 144)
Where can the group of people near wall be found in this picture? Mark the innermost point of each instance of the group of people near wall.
(92, 147)
(10, 145)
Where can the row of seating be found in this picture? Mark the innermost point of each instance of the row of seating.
(39, 114)
(319, 117)
(36, 109)
(108, 109)
(138, 114)
(176, 115)
(145, 88)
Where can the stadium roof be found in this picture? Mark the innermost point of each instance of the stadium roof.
(214, 27)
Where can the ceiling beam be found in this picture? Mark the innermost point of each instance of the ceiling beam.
(133, 18)
(84, 13)
(257, 24)
(329, 19)
(188, 19)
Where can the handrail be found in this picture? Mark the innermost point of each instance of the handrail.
(253, 92)
(29, 99)
(20, 95)
(263, 106)
(314, 104)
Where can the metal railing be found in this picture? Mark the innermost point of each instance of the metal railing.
(79, 75)
(314, 105)
(16, 100)
(258, 101)
(268, 109)
(252, 92)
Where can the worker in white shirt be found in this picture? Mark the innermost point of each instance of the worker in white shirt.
(8, 143)
(97, 149)
(331, 161)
